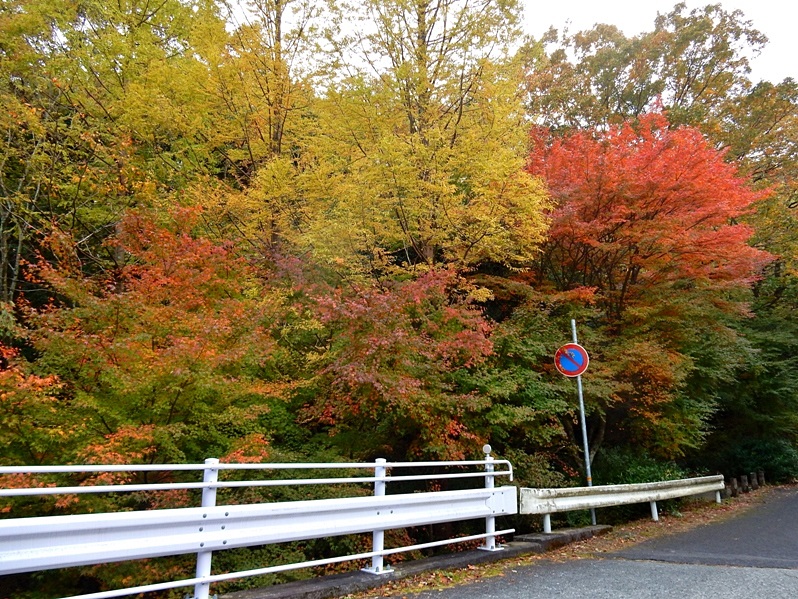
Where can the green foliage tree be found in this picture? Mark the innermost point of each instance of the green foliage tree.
(755, 425)
(533, 412)
(695, 63)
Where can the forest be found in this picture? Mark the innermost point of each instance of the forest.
(298, 231)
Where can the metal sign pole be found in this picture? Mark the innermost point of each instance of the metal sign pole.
(584, 428)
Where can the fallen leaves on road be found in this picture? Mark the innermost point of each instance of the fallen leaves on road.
(692, 515)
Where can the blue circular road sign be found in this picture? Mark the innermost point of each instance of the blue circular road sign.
(571, 359)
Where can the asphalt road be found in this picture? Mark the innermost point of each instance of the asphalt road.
(751, 556)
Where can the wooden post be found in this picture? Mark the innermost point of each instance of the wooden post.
(761, 476)
(744, 483)
(754, 482)
(735, 490)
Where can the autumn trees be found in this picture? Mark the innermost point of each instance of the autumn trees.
(252, 234)
(276, 235)
(694, 66)
(695, 62)
(414, 155)
(647, 226)
(388, 167)
(394, 377)
(643, 207)
(161, 351)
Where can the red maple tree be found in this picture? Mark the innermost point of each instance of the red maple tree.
(639, 207)
(390, 377)
(648, 226)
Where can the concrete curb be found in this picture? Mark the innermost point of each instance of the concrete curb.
(339, 585)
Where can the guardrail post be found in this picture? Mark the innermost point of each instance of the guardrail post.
(547, 523)
(654, 511)
(490, 521)
(210, 475)
(378, 536)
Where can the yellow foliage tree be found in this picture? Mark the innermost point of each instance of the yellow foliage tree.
(415, 157)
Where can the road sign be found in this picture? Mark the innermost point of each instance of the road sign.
(571, 359)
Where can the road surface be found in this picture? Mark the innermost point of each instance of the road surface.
(750, 556)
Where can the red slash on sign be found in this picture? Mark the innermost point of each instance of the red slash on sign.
(571, 359)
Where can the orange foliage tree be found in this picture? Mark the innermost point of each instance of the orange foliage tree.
(649, 222)
(170, 357)
(642, 208)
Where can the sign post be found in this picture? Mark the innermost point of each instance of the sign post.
(572, 360)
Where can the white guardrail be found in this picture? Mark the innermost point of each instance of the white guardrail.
(41, 543)
(550, 501)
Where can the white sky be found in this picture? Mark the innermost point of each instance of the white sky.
(777, 19)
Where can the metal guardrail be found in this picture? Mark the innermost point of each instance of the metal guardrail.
(40, 543)
(550, 501)
(31, 544)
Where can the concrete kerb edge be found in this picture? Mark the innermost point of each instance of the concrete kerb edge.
(564, 536)
(340, 585)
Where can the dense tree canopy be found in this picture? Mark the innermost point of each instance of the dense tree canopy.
(417, 160)
(646, 226)
(249, 232)
(693, 67)
(641, 209)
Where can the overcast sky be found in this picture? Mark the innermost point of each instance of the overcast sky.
(777, 19)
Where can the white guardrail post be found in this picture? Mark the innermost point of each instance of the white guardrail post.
(210, 475)
(654, 511)
(490, 521)
(378, 536)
